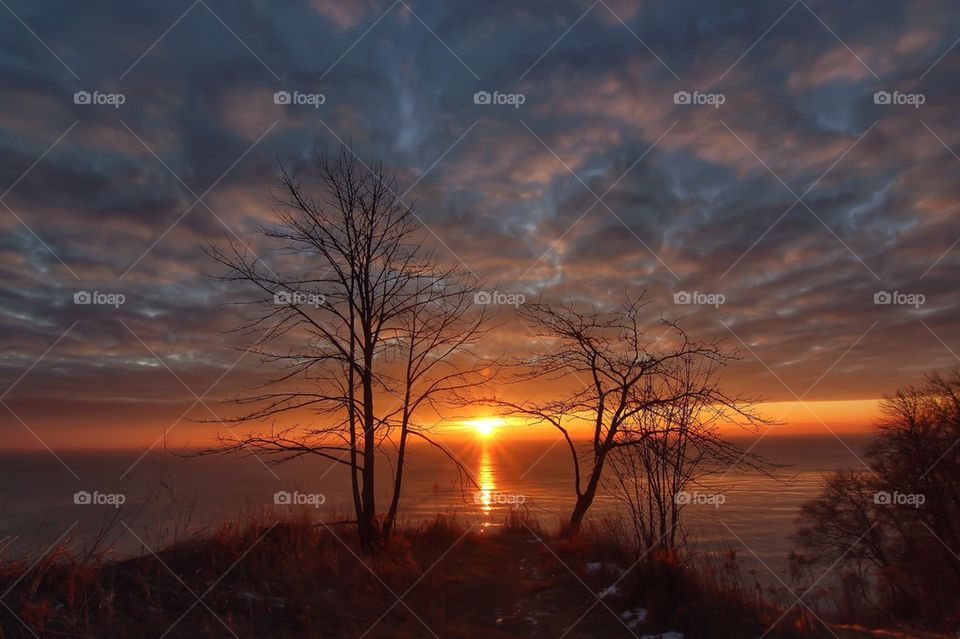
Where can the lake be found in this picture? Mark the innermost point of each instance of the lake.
(164, 494)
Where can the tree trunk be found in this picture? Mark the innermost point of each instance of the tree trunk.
(585, 499)
(397, 485)
(354, 465)
(370, 533)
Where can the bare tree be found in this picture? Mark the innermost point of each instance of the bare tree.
(893, 531)
(369, 332)
(619, 379)
(682, 443)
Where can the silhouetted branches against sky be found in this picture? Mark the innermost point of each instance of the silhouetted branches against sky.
(371, 334)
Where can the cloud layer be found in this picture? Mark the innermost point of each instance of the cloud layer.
(739, 149)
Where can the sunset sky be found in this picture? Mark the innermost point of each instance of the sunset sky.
(792, 191)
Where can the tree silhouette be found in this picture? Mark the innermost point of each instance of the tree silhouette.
(893, 531)
(370, 333)
(619, 379)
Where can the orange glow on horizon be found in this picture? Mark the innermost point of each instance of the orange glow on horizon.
(485, 426)
(819, 417)
(129, 431)
(788, 417)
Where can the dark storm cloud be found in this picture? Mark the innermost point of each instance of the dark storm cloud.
(506, 198)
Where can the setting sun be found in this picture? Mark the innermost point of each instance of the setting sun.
(484, 426)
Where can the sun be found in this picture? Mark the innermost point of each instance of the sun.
(485, 426)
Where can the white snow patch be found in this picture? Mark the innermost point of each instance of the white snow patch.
(606, 592)
(599, 566)
(634, 617)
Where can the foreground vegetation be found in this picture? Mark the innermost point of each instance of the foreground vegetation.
(889, 529)
(294, 577)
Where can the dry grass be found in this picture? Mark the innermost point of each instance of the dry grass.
(292, 577)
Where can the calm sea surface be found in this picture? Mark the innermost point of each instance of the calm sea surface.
(166, 495)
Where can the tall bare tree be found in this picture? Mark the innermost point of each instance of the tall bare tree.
(618, 377)
(369, 332)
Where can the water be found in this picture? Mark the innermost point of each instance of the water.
(166, 494)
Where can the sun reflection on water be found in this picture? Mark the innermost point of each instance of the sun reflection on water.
(485, 479)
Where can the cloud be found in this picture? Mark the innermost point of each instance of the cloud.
(344, 15)
(694, 192)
